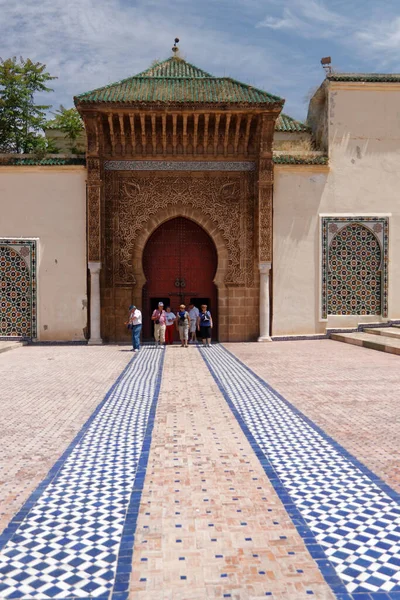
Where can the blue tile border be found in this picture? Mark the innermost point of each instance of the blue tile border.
(125, 555)
(124, 560)
(315, 549)
(377, 480)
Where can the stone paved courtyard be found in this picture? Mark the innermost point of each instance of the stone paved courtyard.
(229, 487)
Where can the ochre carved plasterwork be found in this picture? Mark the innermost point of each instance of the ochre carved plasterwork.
(94, 188)
(265, 190)
(131, 200)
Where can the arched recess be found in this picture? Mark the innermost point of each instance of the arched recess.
(204, 221)
(18, 305)
(354, 282)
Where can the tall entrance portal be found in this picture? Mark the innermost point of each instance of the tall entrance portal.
(174, 142)
(179, 262)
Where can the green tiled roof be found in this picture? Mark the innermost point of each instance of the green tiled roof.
(288, 159)
(176, 81)
(42, 162)
(367, 77)
(286, 123)
(174, 67)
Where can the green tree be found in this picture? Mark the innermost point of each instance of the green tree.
(69, 121)
(21, 120)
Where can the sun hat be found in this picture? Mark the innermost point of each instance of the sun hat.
(161, 304)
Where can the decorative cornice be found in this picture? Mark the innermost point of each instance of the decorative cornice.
(163, 165)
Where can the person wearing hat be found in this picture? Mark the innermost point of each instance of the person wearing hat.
(135, 323)
(159, 319)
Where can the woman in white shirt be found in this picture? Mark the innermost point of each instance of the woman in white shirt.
(169, 331)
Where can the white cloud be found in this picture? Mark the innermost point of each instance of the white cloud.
(306, 17)
(382, 36)
(90, 43)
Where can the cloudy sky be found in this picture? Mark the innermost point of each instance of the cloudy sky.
(275, 45)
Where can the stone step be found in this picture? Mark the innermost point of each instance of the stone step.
(7, 345)
(374, 342)
(392, 332)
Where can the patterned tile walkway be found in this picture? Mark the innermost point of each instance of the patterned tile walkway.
(341, 509)
(65, 541)
(243, 496)
(210, 523)
(46, 395)
(351, 393)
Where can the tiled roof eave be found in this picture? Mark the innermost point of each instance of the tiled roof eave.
(290, 159)
(157, 104)
(365, 77)
(42, 162)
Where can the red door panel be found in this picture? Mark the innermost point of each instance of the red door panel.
(179, 261)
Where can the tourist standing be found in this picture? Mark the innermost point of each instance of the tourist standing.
(170, 318)
(183, 324)
(204, 325)
(135, 324)
(193, 314)
(158, 317)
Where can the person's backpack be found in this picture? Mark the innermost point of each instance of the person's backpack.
(205, 318)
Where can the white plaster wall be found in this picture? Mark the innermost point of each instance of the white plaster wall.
(363, 179)
(49, 203)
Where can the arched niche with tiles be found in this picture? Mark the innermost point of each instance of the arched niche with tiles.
(354, 266)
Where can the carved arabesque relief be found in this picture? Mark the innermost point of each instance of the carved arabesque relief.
(94, 187)
(131, 200)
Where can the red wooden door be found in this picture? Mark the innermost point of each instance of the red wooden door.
(179, 261)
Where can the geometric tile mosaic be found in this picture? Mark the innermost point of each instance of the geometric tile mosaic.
(348, 518)
(74, 537)
(354, 266)
(17, 288)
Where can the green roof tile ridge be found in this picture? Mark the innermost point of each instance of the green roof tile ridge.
(191, 74)
(367, 77)
(142, 74)
(287, 123)
(290, 159)
(45, 162)
(174, 60)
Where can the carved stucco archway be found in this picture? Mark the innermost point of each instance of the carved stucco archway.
(222, 204)
(198, 217)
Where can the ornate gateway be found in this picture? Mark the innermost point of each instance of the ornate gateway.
(174, 141)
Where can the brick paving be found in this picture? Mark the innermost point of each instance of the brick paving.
(352, 393)
(210, 522)
(46, 395)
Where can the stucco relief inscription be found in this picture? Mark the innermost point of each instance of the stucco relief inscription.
(132, 200)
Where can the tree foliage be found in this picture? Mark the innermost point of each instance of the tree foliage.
(69, 121)
(21, 119)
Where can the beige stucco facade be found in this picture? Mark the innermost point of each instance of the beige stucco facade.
(359, 125)
(49, 204)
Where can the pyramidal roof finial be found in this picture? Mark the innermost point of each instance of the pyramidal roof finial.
(175, 48)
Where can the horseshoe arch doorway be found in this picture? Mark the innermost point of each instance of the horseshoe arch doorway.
(179, 262)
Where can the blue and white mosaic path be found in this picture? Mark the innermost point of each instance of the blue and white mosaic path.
(74, 537)
(348, 518)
